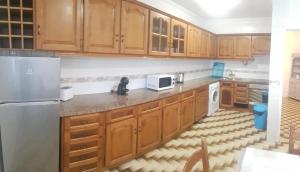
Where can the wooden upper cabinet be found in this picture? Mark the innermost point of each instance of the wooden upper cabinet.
(178, 38)
(149, 130)
(204, 44)
(212, 46)
(225, 47)
(242, 47)
(134, 29)
(261, 45)
(58, 25)
(102, 26)
(121, 140)
(159, 38)
(194, 38)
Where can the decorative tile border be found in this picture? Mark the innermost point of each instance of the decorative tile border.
(249, 71)
(115, 78)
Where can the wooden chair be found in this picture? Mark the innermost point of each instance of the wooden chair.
(196, 157)
(294, 135)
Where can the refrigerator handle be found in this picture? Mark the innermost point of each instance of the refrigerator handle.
(1, 154)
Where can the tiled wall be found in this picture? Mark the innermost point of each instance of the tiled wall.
(255, 69)
(97, 75)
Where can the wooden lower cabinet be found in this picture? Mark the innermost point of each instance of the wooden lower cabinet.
(149, 130)
(201, 103)
(227, 97)
(171, 121)
(121, 137)
(83, 139)
(187, 112)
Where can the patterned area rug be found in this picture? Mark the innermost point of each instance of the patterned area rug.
(226, 132)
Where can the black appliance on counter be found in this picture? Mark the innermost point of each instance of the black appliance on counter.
(122, 90)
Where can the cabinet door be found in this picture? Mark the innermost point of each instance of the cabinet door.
(134, 30)
(226, 97)
(225, 47)
(149, 130)
(194, 38)
(201, 104)
(178, 38)
(171, 121)
(121, 140)
(204, 52)
(187, 113)
(212, 46)
(102, 26)
(242, 47)
(58, 28)
(159, 34)
(261, 45)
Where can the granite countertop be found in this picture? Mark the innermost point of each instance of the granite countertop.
(92, 103)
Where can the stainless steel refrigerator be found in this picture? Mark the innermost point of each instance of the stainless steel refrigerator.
(29, 114)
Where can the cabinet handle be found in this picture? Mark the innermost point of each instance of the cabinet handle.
(135, 131)
(117, 35)
(39, 30)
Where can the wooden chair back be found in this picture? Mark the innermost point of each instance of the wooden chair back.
(196, 157)
(293, 136)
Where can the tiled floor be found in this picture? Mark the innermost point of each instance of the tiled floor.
(226, 132)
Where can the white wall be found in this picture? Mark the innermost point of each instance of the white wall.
(97, 75)
(240, 25)
(256, 69)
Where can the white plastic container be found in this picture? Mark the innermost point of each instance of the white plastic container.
(66, 93)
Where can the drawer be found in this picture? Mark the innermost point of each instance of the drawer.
(241, 89)
(187, 95)
(201, 89)
(85, 156)
(241, 100)
(171, 100)
(227, 84)
(85, 132)
(149, 107)
(241, 94)
(241, 84)
(89, 165)
(79, 146)
(121, 114)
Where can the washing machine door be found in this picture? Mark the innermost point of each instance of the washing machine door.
(215, 96)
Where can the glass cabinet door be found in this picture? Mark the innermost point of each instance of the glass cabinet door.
(179, 37)
(159, 35)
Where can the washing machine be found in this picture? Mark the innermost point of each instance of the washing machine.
(214, 96)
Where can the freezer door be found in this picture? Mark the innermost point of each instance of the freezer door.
(29, 137)
(29, 79)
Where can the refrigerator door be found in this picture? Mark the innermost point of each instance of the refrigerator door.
(29, 79)
(29, 137)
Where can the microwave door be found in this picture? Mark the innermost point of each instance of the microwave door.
(165, 82)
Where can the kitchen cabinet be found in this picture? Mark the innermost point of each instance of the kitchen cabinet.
(83, 139)
(194, 38)
(234, 47)
(227, 94)
(102, 26)
(201, 103)
(187, 110)
(178, 38)
(204, 44)
(212, 46)
(149, 129)
(57, 28)
(225, 47)
(242, 48)
(159, 38)
(261, 45)
(241, 93)
(171, 117)
(121, 135)
(134, 29)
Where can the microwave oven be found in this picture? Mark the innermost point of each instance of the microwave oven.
(160, 82)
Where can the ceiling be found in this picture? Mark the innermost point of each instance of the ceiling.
(243, 9)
